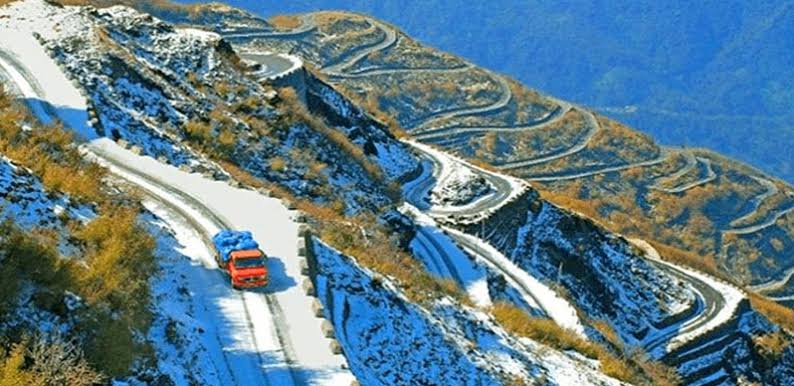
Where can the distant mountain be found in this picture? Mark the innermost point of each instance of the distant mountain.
(711, 74)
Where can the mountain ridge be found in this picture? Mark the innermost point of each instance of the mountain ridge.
(299, 138)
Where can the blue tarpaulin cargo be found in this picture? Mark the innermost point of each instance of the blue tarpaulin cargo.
(227, 242)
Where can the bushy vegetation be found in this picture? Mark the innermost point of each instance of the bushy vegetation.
(112, 281)
(284, 22)
(779, 314)
(110, 275)
(632, 367)
(46, 361)
(772, 345)
(48, 151)
(299, 112)
(370, 104)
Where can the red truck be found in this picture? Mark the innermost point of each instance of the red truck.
(238, 253)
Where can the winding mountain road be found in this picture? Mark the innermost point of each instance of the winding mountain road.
(771, 190)
(691, 162)
(390, 38)
(774, 284)
(709, 176)
(280, 330)
(272, 64)
(404, 70)
(414, 126)
(710, 304)
(550, 118)
(339, 69)
(771, 220)
(560, 177)
(308, 24)
(594, 126)
(529, 288)
(716, 302)
(417, 192)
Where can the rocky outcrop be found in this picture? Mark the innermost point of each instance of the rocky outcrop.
(602, 273)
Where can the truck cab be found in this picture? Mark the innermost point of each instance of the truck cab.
(239, 255)
(248, 268)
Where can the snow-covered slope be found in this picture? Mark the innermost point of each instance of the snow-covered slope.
(146, 79)
(268, 341)
(119, 77)
(390, 341)
(602, 274)
(25, 200)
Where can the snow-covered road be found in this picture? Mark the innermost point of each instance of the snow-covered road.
(280, 330)
(553, 305)
(716, 304)
(272, 64)
(441, 169)
(446, 250)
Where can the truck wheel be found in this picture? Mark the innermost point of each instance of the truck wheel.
(235, 287)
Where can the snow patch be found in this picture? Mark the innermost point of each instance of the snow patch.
(444, 259)
(557, 308)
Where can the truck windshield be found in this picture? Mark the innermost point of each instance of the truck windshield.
(249, 262)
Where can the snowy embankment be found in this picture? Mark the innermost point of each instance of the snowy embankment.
(444, 259)
(394, 341)
(448, 168)
(438, 250)
(731, 295)
(553, 305)
(297, 345)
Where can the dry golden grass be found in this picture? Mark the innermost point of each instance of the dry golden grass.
(568, 199)
(277, 164)
(284, 22)
(299, 111)
(48, 151)
(635, 368)
(14, 371)
(772, 345)
(543, 330)
(117, 252)
(777, 313)
(328, 17)
(608, 332)
(705, 264)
